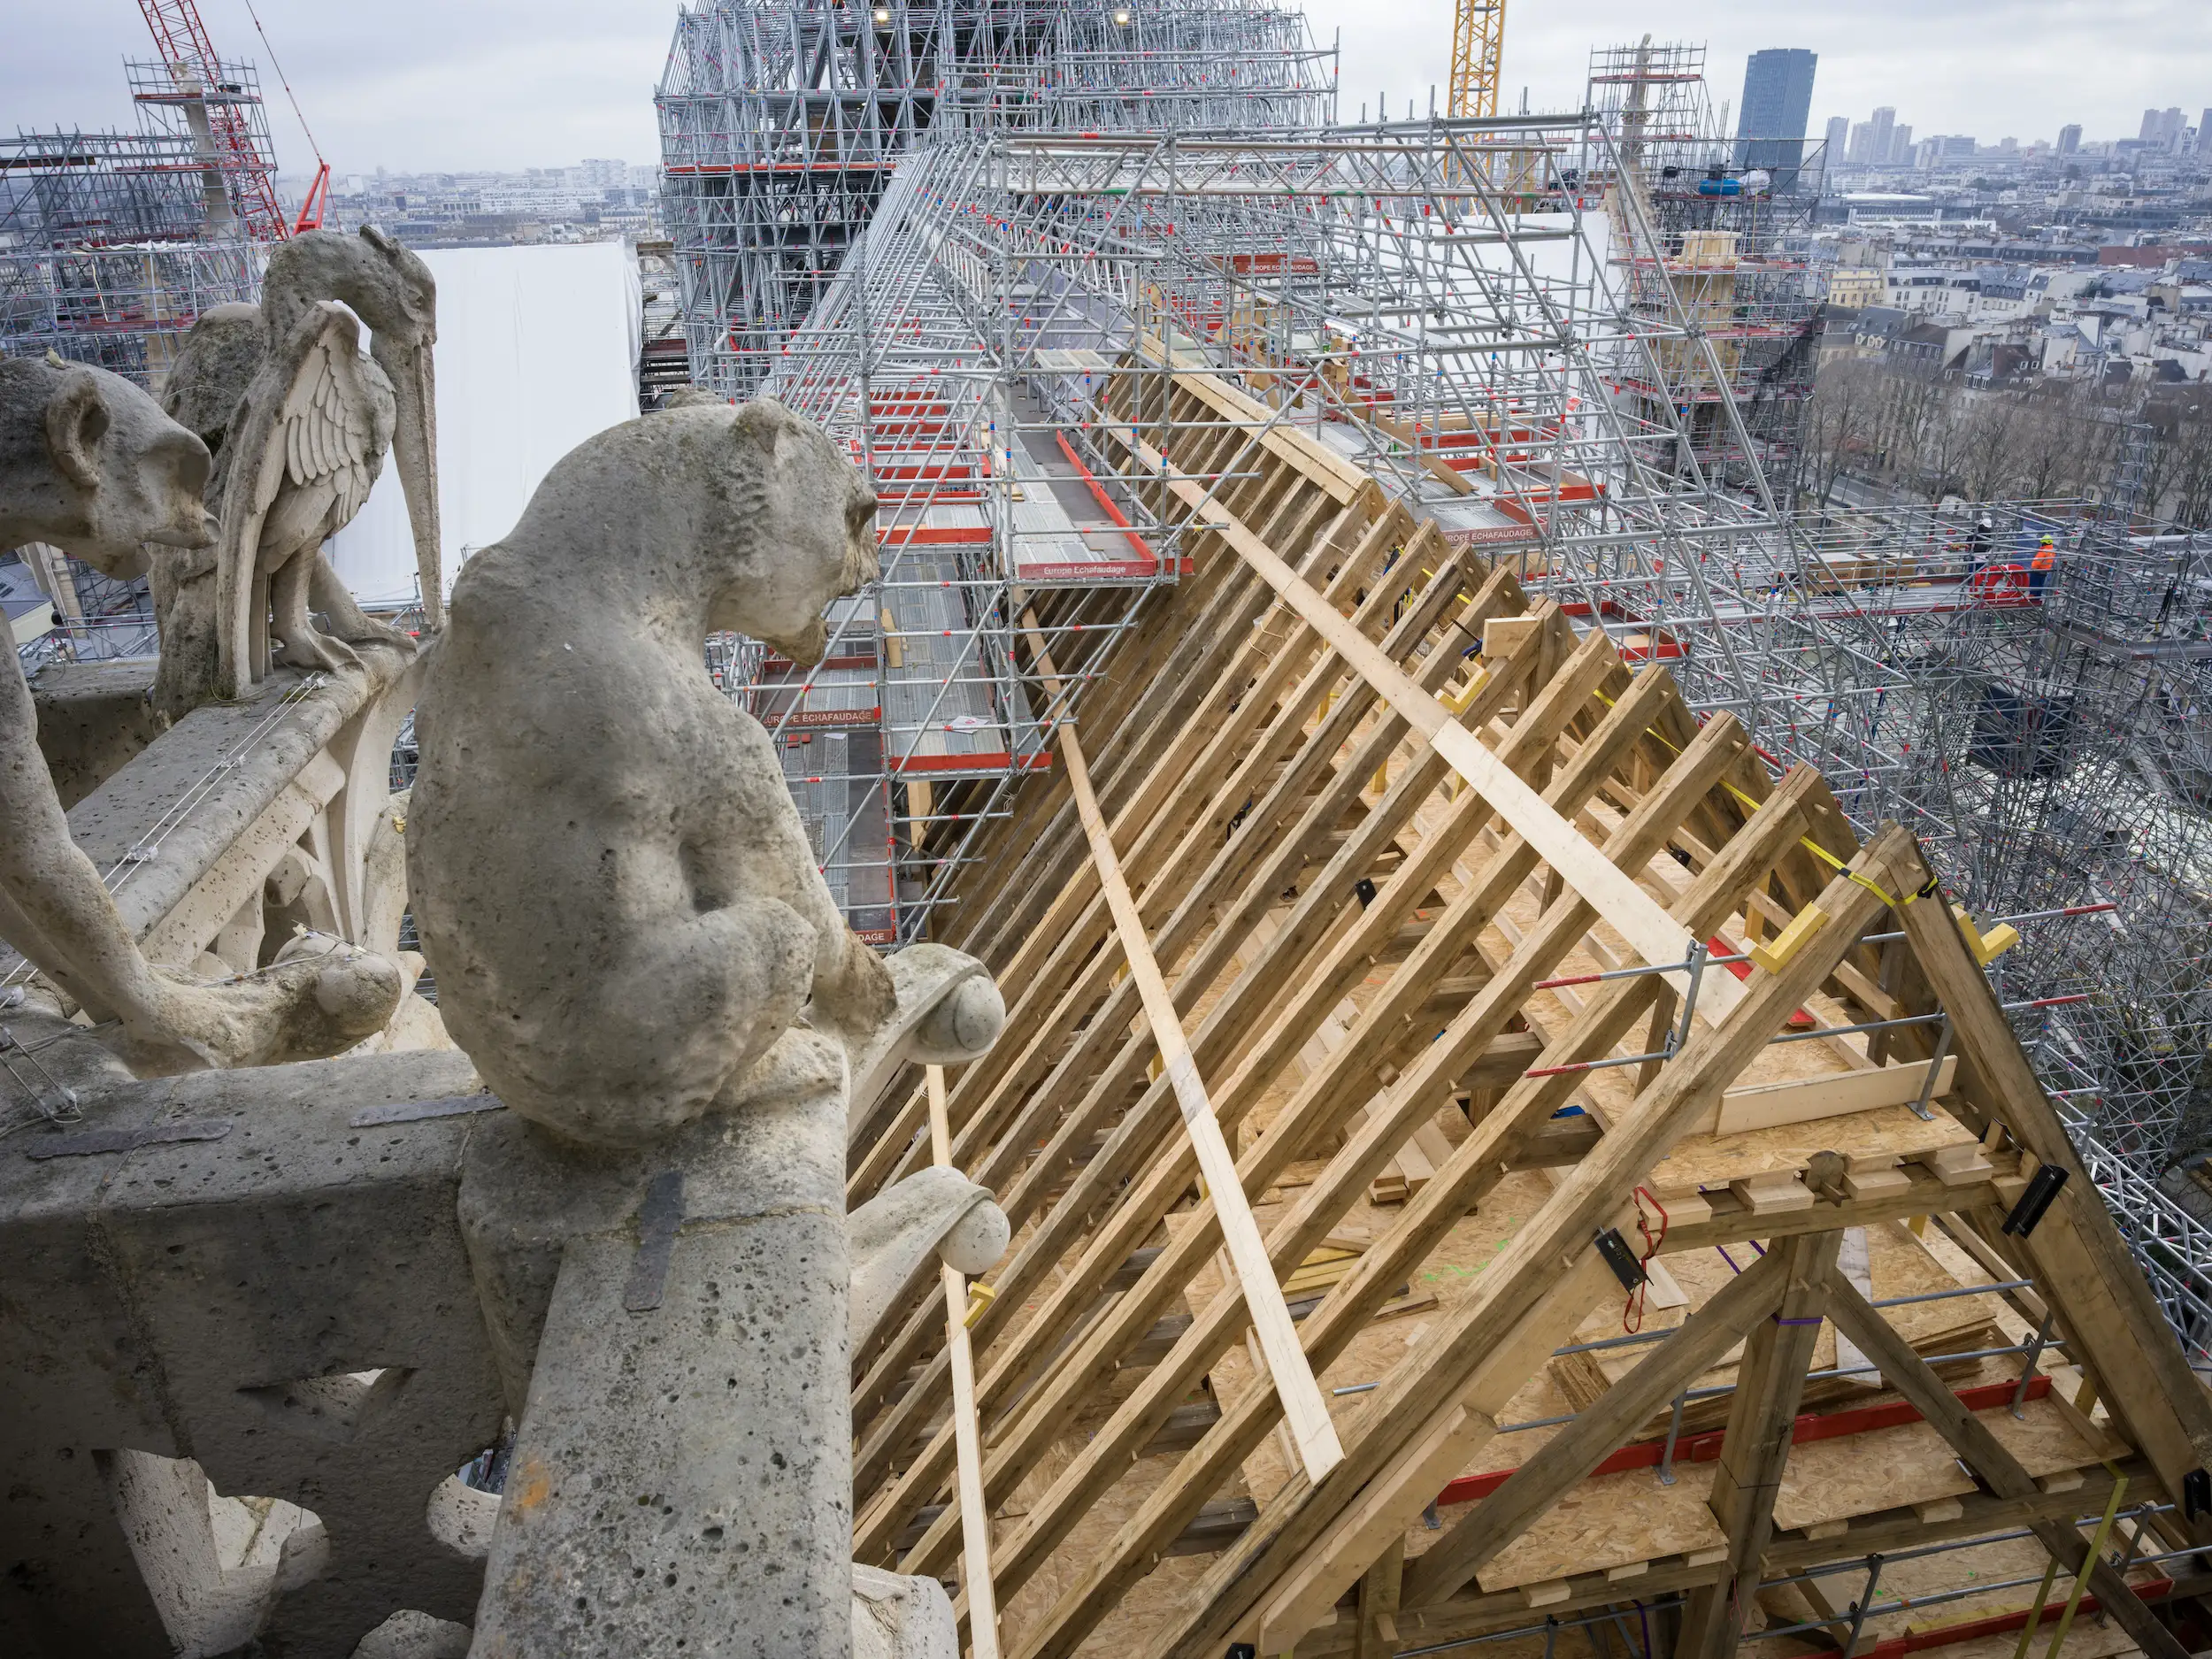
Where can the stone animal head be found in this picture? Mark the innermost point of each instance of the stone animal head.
(388, 288)
(803, 518)
(89, 463)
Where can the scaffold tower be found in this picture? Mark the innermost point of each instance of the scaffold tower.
(113, 244)
(782, 119)
(1733, 241)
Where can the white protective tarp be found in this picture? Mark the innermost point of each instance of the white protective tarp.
(537, 350)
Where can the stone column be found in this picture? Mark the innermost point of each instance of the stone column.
(681, 1482)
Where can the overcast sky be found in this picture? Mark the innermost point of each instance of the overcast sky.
(436, 84)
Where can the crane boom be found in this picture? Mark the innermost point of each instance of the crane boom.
(216, 114)
(1478, 45)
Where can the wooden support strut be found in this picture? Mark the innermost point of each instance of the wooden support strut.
(1574, 1453)
(975, 1513)
(1555, 1235)
(1474, 1165)
(1303, 1407)
(1239, 875)
(2080, 1262)
(1769, 1385)
(1041, 1071)
(1632, 912)
(1911, 1376)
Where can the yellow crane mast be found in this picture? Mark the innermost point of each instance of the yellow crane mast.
(1477, 40)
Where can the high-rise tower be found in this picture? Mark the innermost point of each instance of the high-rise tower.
(1777, 98)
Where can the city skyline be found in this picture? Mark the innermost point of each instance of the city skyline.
(514, 86)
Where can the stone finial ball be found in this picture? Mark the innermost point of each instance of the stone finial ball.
(977, 1239)
(965, 1023)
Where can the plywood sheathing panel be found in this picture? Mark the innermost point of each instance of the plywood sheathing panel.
(1610, 1521)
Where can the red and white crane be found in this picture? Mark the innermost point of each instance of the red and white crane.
(216, 112)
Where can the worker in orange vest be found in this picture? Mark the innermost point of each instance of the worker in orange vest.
(2040, 566)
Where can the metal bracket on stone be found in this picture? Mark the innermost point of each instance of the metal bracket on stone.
(98, 1140)
(414, 1111)
(657, 1219)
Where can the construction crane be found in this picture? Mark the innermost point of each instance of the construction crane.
(220, 114)
(1478, 43)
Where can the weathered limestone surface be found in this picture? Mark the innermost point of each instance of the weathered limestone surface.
(173, 1298)
(93, 718)
(233, 784)
(90, 464)
(648, 968)
(686, 1446)
(299, 422)
(411, 1635)
(260, 1318)
(934, 1214)
(899, 1616)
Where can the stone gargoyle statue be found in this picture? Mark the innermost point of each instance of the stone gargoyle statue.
(89, 463)
(634, 947)
(299, 423)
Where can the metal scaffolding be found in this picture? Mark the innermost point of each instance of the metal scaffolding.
(1531, 330)
(113, 244)
(782, 119)
(1433, 302)
(1730, 240)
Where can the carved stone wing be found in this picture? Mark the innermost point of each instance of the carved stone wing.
(310, 417)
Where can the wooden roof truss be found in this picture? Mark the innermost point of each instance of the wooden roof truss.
(1348, 834)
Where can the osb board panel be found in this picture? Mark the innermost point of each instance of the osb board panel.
(1887, 1135)
(1995, 1564)
(1890, 1469)
(2085, 1639)
(1858, 1474)
(1879, 1137)
(2039, 1438)
(1610, 1522)
(2001, 1566)
(1137, 1623)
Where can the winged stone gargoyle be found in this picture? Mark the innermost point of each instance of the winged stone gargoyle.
(299, 423)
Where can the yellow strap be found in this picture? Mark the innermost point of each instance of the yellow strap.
(1806, 841)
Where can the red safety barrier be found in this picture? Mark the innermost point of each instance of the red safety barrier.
(1704, 1449)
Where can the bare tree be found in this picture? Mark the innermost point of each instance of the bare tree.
(2192, 474)
(1992, 431)
(2048, 431)
(1945, 442)
(1839, 425)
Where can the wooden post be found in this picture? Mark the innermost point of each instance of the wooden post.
(1912, 1377)
(1769, 1384)
(1597, 1430)
(975, 1513)
(1377, 1634)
